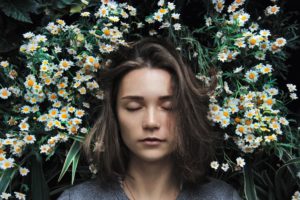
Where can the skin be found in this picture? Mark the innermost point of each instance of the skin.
(150, 166)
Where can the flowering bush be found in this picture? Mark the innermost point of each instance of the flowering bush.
(47, 107)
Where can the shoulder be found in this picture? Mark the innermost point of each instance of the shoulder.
(215, 189)
(90, 190)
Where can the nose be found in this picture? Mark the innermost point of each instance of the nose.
(151, 119)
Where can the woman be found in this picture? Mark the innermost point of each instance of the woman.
(152, 139)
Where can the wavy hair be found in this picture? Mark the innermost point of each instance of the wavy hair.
(194, 136)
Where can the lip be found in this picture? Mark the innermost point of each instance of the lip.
(152, 141)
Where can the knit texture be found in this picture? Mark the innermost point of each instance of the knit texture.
(91, 190)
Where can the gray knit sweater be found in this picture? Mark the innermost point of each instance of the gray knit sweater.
(90, 190)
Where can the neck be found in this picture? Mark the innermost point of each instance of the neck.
(151, 180)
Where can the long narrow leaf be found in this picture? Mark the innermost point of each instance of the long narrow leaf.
(39, 186)
(74, 166)
(5, 179)
(249, 186)
(74, 150)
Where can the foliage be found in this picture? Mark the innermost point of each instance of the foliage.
(47, 106)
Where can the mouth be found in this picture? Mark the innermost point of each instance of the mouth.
(152, 141)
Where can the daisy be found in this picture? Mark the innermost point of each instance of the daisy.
(177, 26)
(264, 46)
(283, 121)
(53, 113)
(82, 90)
(158, 16)
(225, 167)
(160, 3)
(25, 109)
(45, 148)
(65, 64)
(20, 196)
(253, 41)
(29, 139)
(24, 126)
(171, 6)
(293, 96)
(7, 163)
(219, 5)
(79, 113)
(102, 12)
(175, 15)
(265, 33)
(266, 69)
(270, 138)
(275, 126)
(5, 195)
(4, 93)
(280, 42)
(272, 10)
(85, 14)
(63, 116)
(214, 165)
(163, 11)
(240, 162)
(4, 64)
(23, 171)
(291, 87)
(222, 57)
(243, 18)
(239, 2)
(251, 76)
(260, 55)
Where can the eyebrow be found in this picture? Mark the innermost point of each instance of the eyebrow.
(139, 98)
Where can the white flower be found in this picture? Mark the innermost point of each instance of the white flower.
(83, 130)
(293, 96)
(7, 163)
(214, 165)
(5, 195)
(171, 6)
(238, 69)
(20, 196)
(226, 88)
(296, 196)
(161, 2)
(4, 93)
(177, 26)
(57, 49)
(225, 167)
(222, 57)
(175, 15)
(291, 87)
(272, 10)
(4, 63)
(85, 14)
(23, 171)
(28, 35)
(240, 162)
(298, 174)
(208, 21)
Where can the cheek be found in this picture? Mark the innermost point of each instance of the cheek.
(128, 124)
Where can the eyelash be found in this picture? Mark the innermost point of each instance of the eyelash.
(135, 109)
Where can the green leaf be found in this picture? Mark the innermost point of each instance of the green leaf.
(71, 158)
(74, 166)
(19, 10)
(39, 186)
(6, 178)
(249, 186)
(76, 9)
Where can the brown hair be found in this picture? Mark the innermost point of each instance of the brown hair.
(193, 132)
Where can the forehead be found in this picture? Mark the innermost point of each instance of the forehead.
(146, 82)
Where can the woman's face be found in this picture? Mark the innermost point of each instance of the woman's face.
(144, 111)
